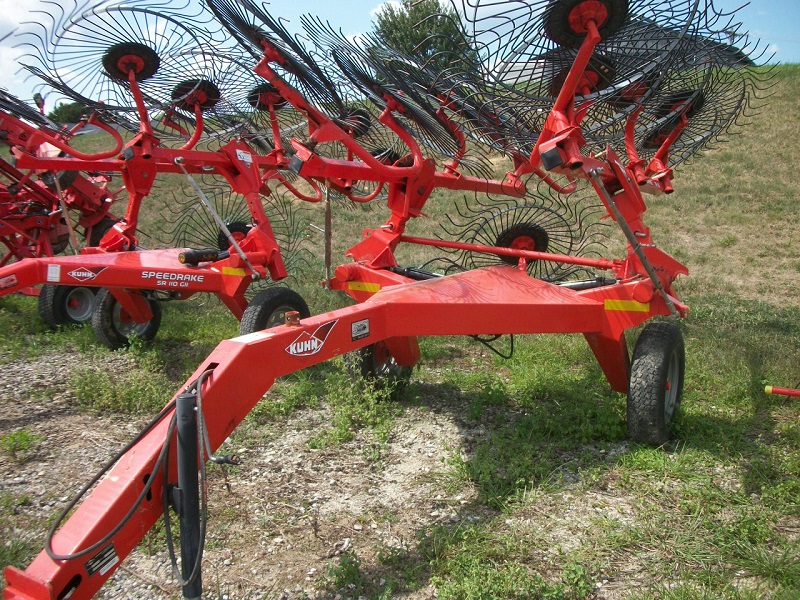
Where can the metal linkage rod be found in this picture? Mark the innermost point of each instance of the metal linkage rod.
(596, 175)
(217, 219)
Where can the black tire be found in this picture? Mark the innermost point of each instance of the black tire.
(65, 304)
(557, 26)
(374, 363)
(238, 229)
(112, 326)
(656, 383)
(99, 229)
(268, 309)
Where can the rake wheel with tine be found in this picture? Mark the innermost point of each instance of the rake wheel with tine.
(396, 305)
(204, 97)
(97, 51)
(35, 206)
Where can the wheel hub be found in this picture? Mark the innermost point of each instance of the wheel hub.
(591, 10)
(523, 236)
(130, 57)
(196, 92)
(263, 96)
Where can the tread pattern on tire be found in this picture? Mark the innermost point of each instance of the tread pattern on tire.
(103, 321)
(52, 299)
(649, 371)
(47, 301)
(263, 305)
(361, 364)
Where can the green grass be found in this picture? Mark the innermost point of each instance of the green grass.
(20, 442)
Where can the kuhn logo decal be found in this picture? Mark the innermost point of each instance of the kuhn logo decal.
(308, 344)
(85, 273)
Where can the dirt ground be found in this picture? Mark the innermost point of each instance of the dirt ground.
(279, 522)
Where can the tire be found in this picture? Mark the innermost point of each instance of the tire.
(114, 328)
(238, 229)
(268, 309)
(99, 229)
(656, 383)
(557, 25)
(374, 363)
(65, 304)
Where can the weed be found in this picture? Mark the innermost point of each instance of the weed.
(20, 442)
(144, 389)
(346, 574)
(357, 405)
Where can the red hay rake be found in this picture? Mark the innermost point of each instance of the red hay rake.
(134, 86)
(593, 101)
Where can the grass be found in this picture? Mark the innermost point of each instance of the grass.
(20, 442)
(556, 503)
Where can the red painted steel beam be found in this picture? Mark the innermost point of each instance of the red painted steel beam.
(598, 263)
(142, 269)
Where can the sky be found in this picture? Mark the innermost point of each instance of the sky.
(775, 22)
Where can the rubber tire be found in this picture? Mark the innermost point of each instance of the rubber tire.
(106, 324)
(385, 373)
(99, 229)
(268, 309)
(54, 305)
(656, 383)
(556, 21)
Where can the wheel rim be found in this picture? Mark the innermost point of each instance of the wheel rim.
(125, 325)
(196, 92)
(120, 59)
(264, 96)
(523, 236)
(672, 386)
(278, 316)
(79, 304)
(384, 365)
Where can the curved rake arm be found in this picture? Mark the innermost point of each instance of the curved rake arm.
(198, 129)
(327, 130)
(369, 197)
(37, 137)
(317, 197)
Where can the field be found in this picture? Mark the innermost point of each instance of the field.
(488, 477)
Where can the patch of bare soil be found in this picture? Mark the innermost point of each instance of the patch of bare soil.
(279, 522)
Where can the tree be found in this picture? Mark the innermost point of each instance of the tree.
(67, 112)
(426, 30)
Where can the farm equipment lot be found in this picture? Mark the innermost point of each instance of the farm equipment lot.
(489, 478)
